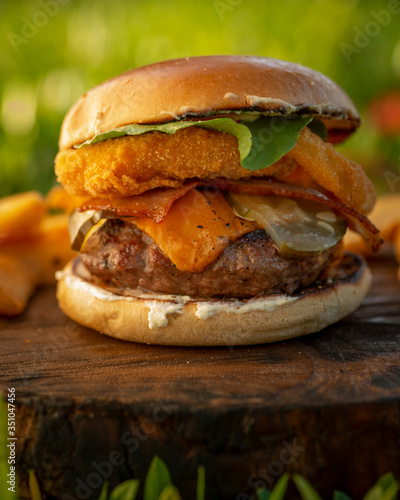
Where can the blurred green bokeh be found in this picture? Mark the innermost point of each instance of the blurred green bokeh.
(53, 50)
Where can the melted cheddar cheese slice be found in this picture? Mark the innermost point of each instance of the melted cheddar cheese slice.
(197, 229)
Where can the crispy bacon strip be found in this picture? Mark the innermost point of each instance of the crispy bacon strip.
(356, 221)
(344, 178)
(154, 204)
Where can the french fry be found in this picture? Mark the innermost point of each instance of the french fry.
(48, 252)
(51, 250)
(58, 199)
(33, 246)
(353, 242)
(17, 283)
(20, 215)
(385, 216)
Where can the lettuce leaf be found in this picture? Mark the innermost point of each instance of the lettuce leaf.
(272, 137)
(261, 142)
(318, 128)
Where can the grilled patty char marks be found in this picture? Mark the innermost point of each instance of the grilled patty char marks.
(121, 255)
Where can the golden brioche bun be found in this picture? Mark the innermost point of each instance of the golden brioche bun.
(202, 86)
(283, 317)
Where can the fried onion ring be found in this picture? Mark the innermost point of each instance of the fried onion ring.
(342, 177)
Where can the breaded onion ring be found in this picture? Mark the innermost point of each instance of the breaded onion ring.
(132, 165)
(342, 177)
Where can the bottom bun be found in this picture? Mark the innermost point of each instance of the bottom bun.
(180, 321)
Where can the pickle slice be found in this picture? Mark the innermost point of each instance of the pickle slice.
(298, 227)
(81, 223)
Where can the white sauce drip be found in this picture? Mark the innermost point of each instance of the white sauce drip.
(256, 101)
(162, 305)
(207, 309)
(253, 101)
(230, 96)
(159, 312)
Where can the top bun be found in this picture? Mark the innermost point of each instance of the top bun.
(202, 86)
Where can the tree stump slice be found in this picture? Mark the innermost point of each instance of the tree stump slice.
(90, 407)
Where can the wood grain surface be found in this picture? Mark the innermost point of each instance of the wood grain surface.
(89, 407)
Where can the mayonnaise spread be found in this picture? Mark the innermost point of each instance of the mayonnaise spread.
(162, 305)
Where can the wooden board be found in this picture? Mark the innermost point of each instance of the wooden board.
(326, 405)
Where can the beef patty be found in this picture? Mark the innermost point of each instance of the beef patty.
(120, 255)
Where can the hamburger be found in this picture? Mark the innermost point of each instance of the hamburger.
(211, 203)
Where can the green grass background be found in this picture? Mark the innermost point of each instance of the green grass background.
(83, 43)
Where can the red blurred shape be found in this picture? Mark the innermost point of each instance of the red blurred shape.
(384, 112)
